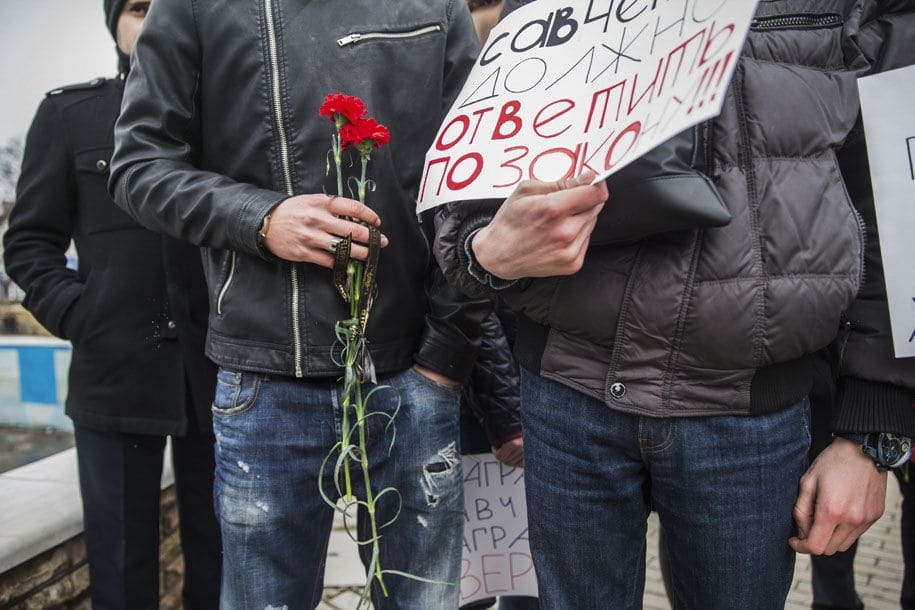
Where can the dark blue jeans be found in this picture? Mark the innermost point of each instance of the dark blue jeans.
(724, 488)
(272, 435)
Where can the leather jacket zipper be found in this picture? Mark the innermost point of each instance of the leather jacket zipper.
(796, 22)
(362, 37)
(287, 171)
(225, 287)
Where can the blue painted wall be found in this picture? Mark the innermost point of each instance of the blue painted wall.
(33, 382)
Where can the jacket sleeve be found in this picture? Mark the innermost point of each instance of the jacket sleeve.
(456, 224)
(451, 336)
(875, 389)
(158, 139)
(493, 393)
(42, 223)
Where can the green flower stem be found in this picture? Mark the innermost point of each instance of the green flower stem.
(353, 270)
(355, 424)
(346, 432)
(370, 502)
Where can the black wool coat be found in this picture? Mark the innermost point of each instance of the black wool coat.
(136, 308)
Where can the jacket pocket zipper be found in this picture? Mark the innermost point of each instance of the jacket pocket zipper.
(364, 36)
(796, 22)
(225, 287)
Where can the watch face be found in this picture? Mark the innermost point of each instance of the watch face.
(893, 451)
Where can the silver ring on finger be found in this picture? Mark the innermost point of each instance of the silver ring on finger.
(332, 246)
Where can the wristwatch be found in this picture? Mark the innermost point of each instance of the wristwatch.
(887, 450)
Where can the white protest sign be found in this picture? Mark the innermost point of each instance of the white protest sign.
(889, 128)
(563, 86)
(497, 558)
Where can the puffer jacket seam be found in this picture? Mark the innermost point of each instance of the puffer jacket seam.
(673, 357)
(821, 155)
(828, 69)
(816, 157)
(861, 226)
(620, 338)
(780, 276)
(745, 158)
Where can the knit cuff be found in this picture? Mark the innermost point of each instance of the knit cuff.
(869, 406)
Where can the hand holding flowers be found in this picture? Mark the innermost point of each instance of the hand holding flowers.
(301, 227)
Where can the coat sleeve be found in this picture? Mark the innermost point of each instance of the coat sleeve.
(158, 137)
(493, 393)
(42, 223)
(875, 389)
(451, 337)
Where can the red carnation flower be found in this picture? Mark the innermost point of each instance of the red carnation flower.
(349, 107)
(376, 132)
(364, 134)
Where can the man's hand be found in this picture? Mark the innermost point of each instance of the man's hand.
(841, 495)
(302, 228)
(511, 453)
(542, 229)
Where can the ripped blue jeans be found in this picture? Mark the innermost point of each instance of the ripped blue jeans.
(272, 435)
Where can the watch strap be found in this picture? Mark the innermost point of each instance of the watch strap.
(870, 446)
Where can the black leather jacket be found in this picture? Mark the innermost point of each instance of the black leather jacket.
(220, 123)
(136, 308)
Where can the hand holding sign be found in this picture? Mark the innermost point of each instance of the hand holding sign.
(542, 229)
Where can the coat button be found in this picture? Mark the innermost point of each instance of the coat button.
(101, 165)
(617, 390)
(171, 325)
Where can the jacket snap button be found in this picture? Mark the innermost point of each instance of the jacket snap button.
(617, 390)
(101, 165)
(171, 325)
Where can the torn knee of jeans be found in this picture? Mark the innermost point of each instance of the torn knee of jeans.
(441, 465)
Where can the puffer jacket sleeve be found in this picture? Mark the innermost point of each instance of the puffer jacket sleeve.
(876, 390)
(493, 393)
(158, 138)
(42, 223)
(456, 225)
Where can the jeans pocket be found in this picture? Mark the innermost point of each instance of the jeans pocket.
(236, 391)
(431, 383)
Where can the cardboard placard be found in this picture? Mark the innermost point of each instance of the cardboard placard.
(496, 559)
(889, 128)
(562, 86)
